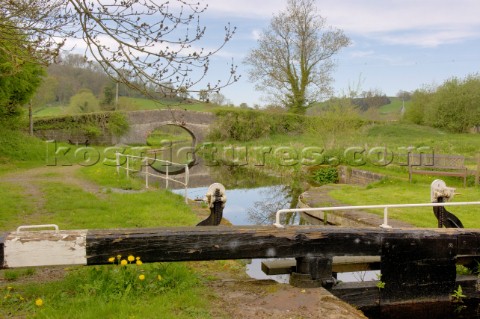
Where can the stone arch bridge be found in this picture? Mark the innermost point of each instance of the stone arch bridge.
(142, 123)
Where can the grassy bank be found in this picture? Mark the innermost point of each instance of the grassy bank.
(134, 104)
(18, 149)
(91, 198)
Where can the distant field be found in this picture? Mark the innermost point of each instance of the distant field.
(393, 107)
(134, 104)
(49, 111)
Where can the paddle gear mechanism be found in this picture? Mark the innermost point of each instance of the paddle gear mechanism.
(216, 199)
(440, 193)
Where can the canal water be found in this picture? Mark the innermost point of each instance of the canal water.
(257, 205)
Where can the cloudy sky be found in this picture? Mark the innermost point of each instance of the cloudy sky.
(396, 44)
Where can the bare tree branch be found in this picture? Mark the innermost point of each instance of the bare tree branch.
(142, 43)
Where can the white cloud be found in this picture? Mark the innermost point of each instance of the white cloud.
(436, 21)
(260, 9)
(429, 38)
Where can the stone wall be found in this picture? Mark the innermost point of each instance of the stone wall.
(74, 137)
(348, 175)
(141, 123)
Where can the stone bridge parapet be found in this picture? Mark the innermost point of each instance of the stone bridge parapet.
(142, 123)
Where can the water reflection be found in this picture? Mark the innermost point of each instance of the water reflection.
(262, 212)
(250, 206)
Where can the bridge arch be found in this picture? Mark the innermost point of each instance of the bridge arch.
(142, 123)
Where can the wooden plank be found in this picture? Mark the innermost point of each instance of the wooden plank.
(220, 242)
(279, 267)
(355, 263)
(359, 294)
(340, 264)
(469, 244)
(45, 248)
(367, 294)
(418, 267)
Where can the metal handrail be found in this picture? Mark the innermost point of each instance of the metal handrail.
(146, 160)
(23, 227)
(385, 210)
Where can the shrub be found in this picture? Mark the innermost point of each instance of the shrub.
(91, 124)
(244, 125)
(325, 175)
(84, 102)
(117, 124)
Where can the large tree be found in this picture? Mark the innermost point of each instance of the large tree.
(293, 61)
(141, 43)
(18, 79)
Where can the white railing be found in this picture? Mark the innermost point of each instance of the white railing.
(146, 162)
(385, 210)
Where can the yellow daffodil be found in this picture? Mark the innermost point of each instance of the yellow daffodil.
(138, 258)
(39, 302)
(111, 259)
(124, 262)
(131, 258)
(139, 263)
(159, 277)
(141, 277)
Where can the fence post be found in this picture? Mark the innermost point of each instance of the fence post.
(128, 167)
(146, 171)
(117, 160)
(385, 219)
(166, 179)
(477, 172)
(187, 172)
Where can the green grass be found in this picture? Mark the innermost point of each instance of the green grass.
(191, 105)
(393, 136)
(76, 209)
(158, 136)
(90, 292)
(15, 209)
(50, 111)
(394, 107)
(95, 292)
(17, 146)
(392, 191)
(136, 104)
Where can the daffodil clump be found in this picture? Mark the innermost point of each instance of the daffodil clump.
(12, 298)
(128, 275)
(127, 280)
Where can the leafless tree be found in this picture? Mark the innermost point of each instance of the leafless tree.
(141, 43)
(293, 60)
